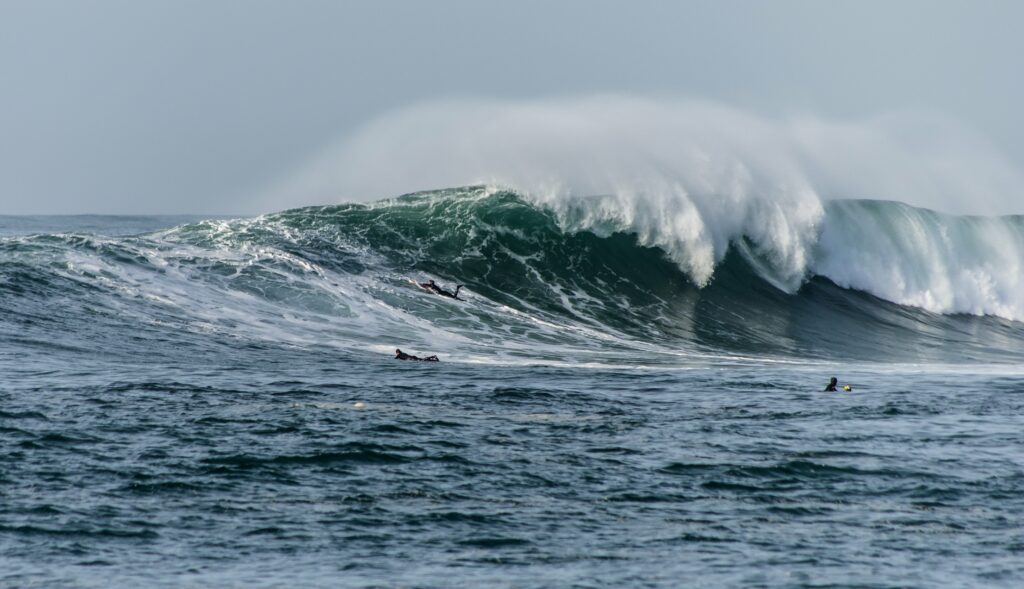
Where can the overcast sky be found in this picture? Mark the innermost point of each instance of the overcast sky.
(140, 106)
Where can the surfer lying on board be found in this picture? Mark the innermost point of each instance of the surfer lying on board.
(400, 355)
(429, 285)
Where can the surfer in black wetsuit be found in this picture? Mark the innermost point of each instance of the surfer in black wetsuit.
(430, 285)
(400, 355)
(831, 388)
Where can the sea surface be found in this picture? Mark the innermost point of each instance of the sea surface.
(190, 402)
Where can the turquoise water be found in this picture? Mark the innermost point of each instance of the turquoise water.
(214, 403)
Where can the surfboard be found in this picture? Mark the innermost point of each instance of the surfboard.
(418, 285)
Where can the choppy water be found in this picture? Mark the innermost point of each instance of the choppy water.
(215, 405)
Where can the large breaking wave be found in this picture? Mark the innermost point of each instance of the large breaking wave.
(586, 279)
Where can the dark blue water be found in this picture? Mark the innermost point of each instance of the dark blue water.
(216, 405)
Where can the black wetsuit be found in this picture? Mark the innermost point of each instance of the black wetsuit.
(441, 291)
(404, 356)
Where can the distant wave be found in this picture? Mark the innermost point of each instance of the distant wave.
(605, 279)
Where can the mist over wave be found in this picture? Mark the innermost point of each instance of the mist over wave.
(606, 144)
(689, 177)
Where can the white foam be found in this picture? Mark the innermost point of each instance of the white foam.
(916, 257)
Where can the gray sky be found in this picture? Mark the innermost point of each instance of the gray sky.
(141, 106)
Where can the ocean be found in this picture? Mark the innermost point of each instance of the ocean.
(190, 402)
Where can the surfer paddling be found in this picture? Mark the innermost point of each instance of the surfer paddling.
(833, 383)
(400, 355)
(430, 285)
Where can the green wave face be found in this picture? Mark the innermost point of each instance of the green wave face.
(341, 276)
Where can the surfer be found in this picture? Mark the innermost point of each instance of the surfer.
(430, 285)
(400, 355)
(831, 388)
